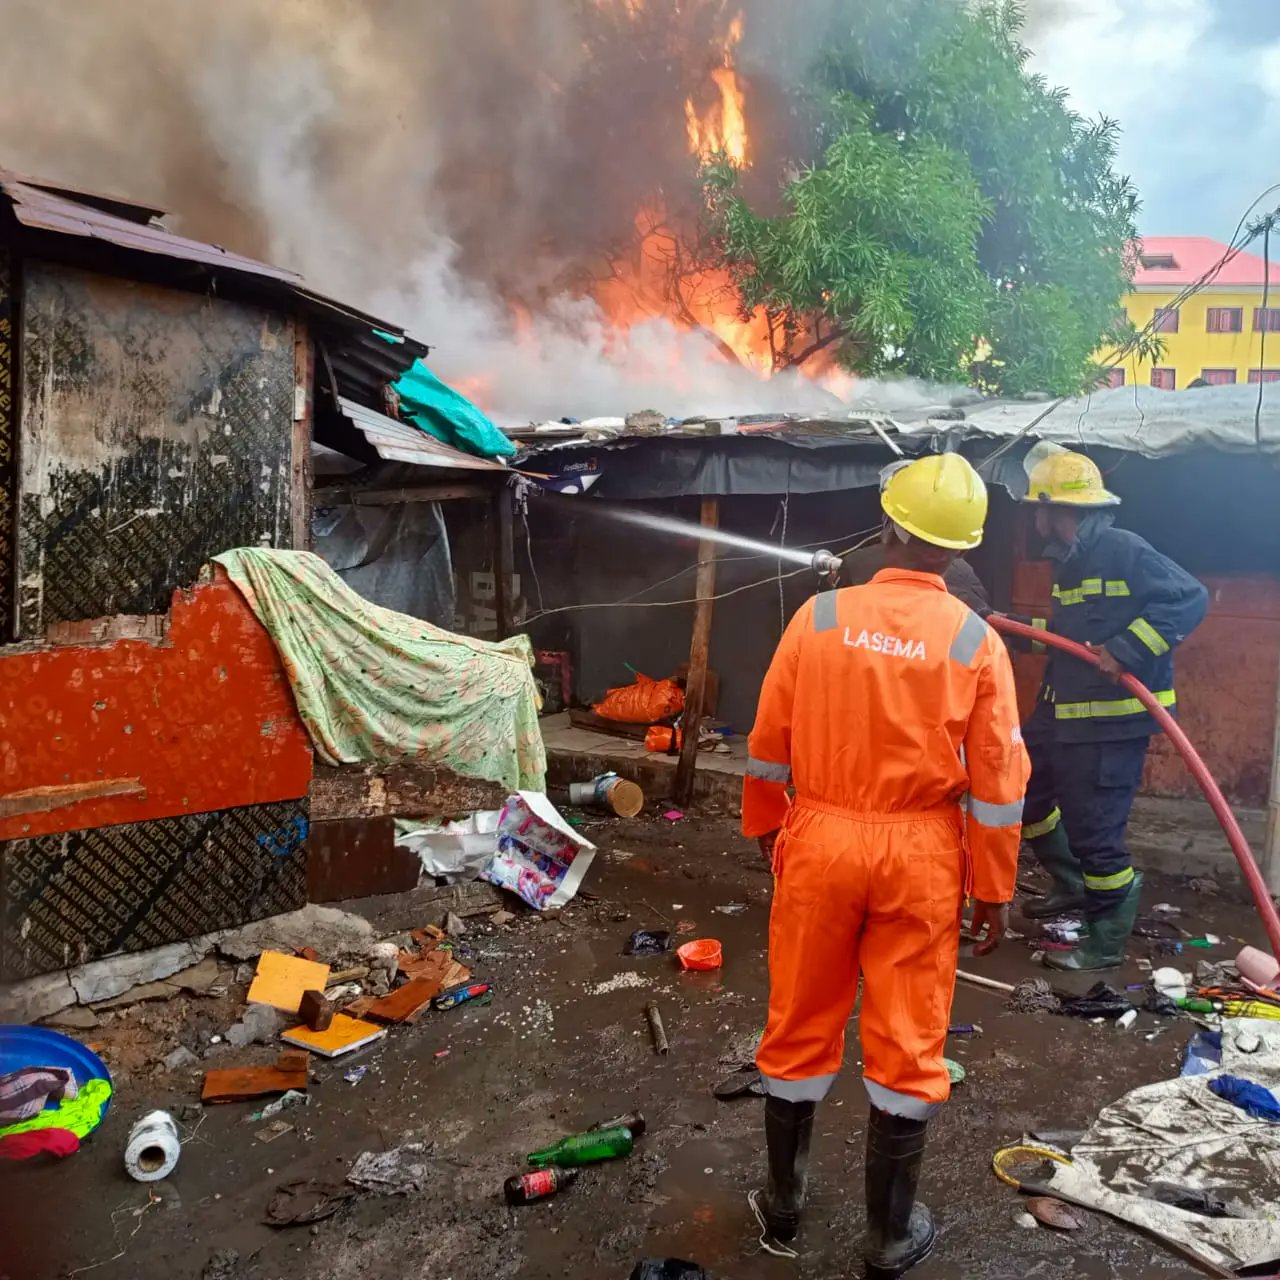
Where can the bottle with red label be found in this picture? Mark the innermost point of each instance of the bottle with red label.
(525, 1188)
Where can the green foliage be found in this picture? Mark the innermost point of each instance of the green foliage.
(958, 203)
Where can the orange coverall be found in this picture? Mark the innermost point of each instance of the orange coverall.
(890, 709)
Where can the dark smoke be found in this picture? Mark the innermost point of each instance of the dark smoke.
(435, 160)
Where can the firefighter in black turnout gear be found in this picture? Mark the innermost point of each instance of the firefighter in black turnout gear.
(1088, 736)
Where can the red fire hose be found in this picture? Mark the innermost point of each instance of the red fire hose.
(1212, 792)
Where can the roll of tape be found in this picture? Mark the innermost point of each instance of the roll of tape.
(153, 1148)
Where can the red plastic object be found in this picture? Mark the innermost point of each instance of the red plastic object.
(701, 953)
(1212, 792)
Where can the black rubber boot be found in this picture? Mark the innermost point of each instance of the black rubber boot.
(1066, 893)
(788, 1127)
(900, 1232)
(1103, 946)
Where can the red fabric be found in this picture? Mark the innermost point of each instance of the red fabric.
(54, 1142)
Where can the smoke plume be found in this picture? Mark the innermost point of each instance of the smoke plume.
(472, 169)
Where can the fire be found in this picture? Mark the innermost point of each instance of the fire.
(722, 128)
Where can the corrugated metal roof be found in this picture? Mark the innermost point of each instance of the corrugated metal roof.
(40, 210)
(401, 442)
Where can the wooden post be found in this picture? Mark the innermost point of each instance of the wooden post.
(503, 560)
(696, 685)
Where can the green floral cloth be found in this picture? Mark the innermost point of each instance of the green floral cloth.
(373, 684)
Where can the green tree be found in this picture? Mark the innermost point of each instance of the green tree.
(958, 207)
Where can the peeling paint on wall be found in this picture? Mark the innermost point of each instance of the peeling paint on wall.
(186, 718)
(156, 431)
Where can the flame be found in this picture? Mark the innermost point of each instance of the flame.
(722, 128)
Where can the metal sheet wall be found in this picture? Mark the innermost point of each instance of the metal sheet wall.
(156, 431)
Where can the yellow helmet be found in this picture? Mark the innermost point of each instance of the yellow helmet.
(1069, 480)
(940, 499)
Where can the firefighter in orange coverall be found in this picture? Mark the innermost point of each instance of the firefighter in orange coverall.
(889, 708)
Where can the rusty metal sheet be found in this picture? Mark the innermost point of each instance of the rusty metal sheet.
(403, 442)
(42, 211)
(357, 858)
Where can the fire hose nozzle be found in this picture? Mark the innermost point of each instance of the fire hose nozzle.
(824, 563)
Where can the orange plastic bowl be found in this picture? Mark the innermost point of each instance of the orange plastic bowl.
(701, 953)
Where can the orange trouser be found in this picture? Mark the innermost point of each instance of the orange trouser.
(880, 894)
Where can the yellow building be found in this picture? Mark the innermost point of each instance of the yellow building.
(1222, 334)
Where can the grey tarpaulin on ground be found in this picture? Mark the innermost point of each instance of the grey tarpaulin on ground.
(1178, 1131)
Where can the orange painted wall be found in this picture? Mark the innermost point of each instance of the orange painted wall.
(203, 720)
(1226, 675)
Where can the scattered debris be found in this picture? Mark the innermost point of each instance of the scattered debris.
(299, 1203)
(955, 1072)
(153, 1148)
(315, 1010)
(344, 1035)
(454, 926)
(524, 1188)
(1204, 884)
(620, 980)
(701, 954)
(673, 815)
(181, 1059)
(355, 1075)
(392, 1173)
(460, 995)
(261, 1024)
(731, 908)
(965, 1029)
(326, 930)
(743, 1082)
(1126, 1020)
(591, 1147)
(1101, 1001)
(281, 980)
(502, 917)
(540, 858)
(608, 791)
(656, 1030)
(223, 1264)
(292, 1099)
(239, 1084)
(406, 1003)
(276, 1129)
(647, 942)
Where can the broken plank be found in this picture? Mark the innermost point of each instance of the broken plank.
(406, 1003)
(239, 1084)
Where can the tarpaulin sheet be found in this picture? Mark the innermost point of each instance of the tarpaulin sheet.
(448, 415)
(373, 684)
(1178, 1131)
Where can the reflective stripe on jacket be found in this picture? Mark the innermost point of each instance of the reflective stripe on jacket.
(1119, 591)
(893, 698)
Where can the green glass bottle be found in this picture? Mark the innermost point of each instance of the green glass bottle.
(585, 1148)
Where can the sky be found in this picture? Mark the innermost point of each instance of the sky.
(1195, 85)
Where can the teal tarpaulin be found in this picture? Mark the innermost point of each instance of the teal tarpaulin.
(442, 412)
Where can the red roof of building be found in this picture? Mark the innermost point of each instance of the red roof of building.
(1182, 260)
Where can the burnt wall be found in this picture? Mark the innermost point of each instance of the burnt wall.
(156, 431)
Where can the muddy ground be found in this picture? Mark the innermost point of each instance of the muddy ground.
(549, 1056)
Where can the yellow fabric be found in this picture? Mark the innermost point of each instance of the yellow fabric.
(1149, 636)
(1118, 707)
(1032, 829)
(1069, 479)
(940, 499)
(1103, 883)
(81, 1114)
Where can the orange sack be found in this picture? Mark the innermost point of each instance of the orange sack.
(643, 702)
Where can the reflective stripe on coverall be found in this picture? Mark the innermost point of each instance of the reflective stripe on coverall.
(884, 705)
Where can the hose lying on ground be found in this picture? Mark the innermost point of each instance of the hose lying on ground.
(1212, 792)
